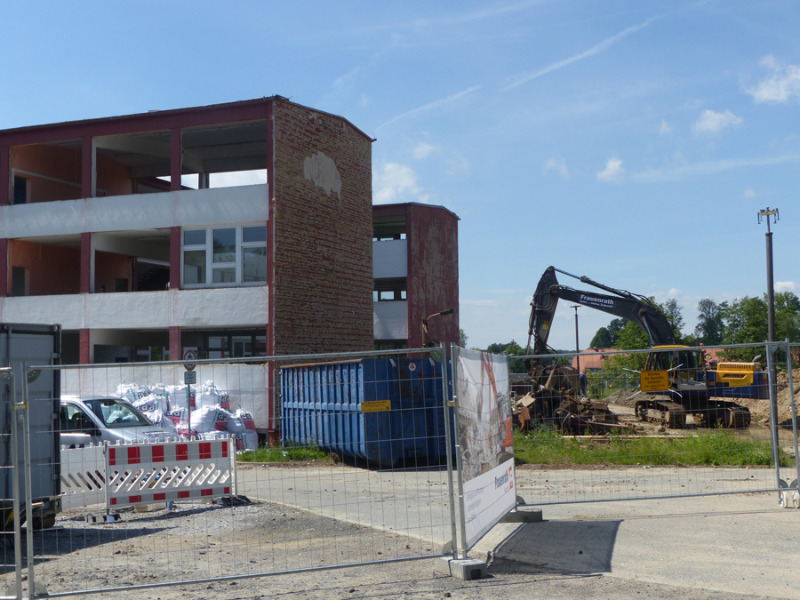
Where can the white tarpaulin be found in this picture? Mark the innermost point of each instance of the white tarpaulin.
(487, 451)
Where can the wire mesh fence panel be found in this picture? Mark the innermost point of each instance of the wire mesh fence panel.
(370, 485)
(706, 426)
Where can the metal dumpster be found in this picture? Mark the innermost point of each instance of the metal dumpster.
(384, 410)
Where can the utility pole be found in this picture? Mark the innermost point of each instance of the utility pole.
(577, 343)
(771, 350)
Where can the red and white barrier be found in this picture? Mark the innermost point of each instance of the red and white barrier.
(138, 474)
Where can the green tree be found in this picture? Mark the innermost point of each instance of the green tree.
(674, 313)
(710, 323)
(787, 316)
(601, 339)
(745, 322)
(462, 338)
(606, 337)
(515, 365)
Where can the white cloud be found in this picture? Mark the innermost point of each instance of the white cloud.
(750, 193)
(614, 171)
(394, 182)
(780, 87)
(713, 122)
(666, 128)
(558, 165)
(784, 286)
(422, 150)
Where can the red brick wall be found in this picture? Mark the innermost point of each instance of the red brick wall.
(322, 288)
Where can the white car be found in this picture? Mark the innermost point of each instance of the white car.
(95, 420)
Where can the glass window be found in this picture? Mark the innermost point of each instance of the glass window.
(225, 275)
(224, 245)
(254, 264)
(194, 266)
(194, 237)
(225, 255)
(254, 234)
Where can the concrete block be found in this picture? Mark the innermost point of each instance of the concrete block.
(462, 568)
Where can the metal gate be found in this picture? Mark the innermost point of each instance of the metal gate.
(646, 476)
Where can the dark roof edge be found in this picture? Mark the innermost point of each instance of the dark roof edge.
(422, 204)
(172, 111)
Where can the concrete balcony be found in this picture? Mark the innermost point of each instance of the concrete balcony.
(214, 307)
(183, 208)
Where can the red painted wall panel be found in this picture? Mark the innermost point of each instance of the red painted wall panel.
(432, 234)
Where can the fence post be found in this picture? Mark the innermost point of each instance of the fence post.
(26, 448)
(447, 404)
(773, 413)
(15, 474)
(459, 549)
(793, 408)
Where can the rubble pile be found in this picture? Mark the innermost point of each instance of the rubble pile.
(569, 414)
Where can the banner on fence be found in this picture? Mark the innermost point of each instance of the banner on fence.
(487, 450)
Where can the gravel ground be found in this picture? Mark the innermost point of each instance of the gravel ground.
(206, 541)
(184, 529)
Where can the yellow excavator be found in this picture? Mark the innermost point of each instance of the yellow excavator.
(675, 379)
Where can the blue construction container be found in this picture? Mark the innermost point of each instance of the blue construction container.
(385, 410)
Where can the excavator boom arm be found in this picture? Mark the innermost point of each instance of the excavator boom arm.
(632, 307)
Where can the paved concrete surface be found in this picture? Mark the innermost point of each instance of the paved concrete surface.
(724, 546)
(738, 545)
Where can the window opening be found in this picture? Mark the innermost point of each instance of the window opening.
(220, 256)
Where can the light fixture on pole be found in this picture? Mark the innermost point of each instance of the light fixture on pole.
(425, 343)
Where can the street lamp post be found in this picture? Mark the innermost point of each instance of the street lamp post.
(771, 366)
(577, 343)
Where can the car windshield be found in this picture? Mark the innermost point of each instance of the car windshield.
(116, 413)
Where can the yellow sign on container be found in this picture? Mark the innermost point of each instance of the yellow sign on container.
(376, 406)
(654, 381)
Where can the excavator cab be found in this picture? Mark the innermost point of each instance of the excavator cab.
(685, 371)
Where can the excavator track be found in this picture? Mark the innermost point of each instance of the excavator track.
(663, 412)
(727, 415)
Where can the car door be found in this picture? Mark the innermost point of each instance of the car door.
(77, 428)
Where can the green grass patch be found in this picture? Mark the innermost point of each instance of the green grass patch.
(280, 455)
(718, 448)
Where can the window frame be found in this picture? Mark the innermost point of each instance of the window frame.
(211, 267)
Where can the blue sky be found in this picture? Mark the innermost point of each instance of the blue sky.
(633, 142)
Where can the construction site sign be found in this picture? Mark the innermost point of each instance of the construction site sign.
(654, 381)
(487, 450)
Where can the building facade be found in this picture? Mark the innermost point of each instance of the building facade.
(238, 229)
(415, 249)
